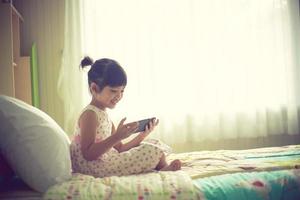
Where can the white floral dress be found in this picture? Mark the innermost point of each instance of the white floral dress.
(142, 158)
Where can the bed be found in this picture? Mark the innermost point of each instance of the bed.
(262, 173)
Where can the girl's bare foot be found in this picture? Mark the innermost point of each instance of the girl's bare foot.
(173, 166)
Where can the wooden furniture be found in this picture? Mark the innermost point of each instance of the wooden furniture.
(15, 77)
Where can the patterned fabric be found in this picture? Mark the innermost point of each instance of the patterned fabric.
(212, 163)
(282, 184)
(142, 158)
(264, 174)
(157, 186)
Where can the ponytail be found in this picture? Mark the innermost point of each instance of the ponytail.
(86, 61)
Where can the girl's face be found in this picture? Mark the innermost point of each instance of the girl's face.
(108, 97)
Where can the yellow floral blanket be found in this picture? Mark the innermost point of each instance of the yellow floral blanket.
(155, 185)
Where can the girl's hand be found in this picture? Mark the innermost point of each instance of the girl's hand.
(125, 130)
(149, 128)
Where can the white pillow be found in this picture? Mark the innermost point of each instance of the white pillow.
(34, 145)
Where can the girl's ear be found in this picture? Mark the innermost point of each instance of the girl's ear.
(94, 88)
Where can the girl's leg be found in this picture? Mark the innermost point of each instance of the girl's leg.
(164, 166)
(162, 162)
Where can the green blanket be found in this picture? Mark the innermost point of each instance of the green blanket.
(273, 185)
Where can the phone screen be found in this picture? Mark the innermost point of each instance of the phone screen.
(142, 124)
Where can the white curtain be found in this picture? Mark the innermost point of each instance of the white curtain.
(207, 69)
(70, 82)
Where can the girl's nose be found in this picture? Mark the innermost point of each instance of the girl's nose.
(119, 95)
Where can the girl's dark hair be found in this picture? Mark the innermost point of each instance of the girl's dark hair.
(105, 72)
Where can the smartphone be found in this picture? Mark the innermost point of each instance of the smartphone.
(142, 124)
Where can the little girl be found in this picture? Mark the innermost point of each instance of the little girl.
(97, 149)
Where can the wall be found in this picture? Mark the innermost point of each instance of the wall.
(44, 25)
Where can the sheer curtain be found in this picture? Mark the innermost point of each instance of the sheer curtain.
(209, 70)
(70, 82)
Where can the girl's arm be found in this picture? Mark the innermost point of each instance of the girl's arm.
(88, 127)
(136, 140)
